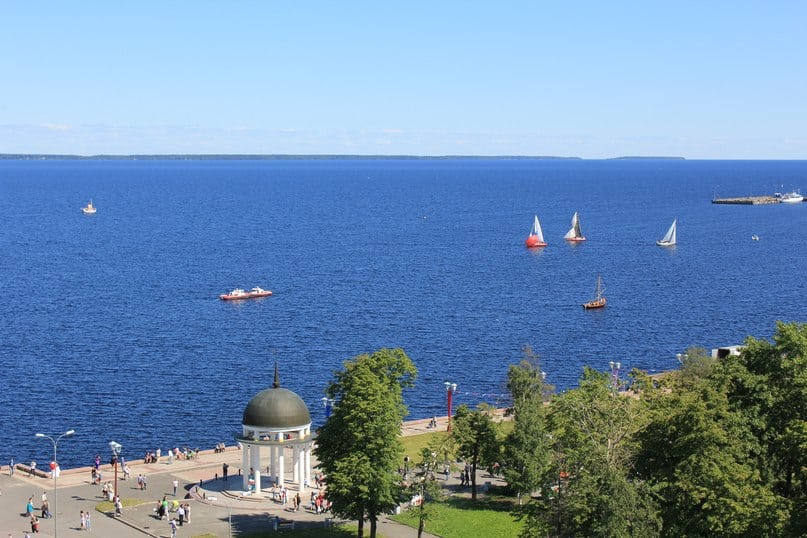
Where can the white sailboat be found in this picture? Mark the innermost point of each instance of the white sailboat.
(89, 209)
(574, 234)
(669, 238)
(536, 237)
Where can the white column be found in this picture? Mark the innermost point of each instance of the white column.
(245, 455)
(272, 462)
(307, 466)
(297, 474)
(255, 464)
(281, 465)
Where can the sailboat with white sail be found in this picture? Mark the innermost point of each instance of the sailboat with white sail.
(575, 235)
(599, 299)
(536, 237)
(669, 239)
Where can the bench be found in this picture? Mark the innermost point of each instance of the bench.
(284, 524)
(27, 470)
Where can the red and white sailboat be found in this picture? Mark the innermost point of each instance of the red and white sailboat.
(575, 235)
(536, 237)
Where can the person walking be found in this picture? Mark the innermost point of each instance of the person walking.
(176, 484)
(11, 467)
(173, 524)
(87, 521)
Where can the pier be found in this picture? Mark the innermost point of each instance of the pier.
(747, 200)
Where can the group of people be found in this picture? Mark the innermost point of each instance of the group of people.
(85, 522)
(319, 504)
(166, 507)
(29, 511)
(220, 447)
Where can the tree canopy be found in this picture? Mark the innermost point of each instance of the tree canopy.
(359, 446)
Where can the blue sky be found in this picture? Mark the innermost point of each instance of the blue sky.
(703, 80)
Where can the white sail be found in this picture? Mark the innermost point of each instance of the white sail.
(669, 238)
(536, 230)
(574, 232)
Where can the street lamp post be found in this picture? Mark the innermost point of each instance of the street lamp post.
(328, 404)
(55, 442)
(615, 366)
(115, 447)
(451, 388)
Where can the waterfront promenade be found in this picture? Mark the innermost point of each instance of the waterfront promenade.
(216, 505)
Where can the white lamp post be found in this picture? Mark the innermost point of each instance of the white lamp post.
(115, 447)
(55, 442)
(328, 404)
(615, 366)
(451, 388)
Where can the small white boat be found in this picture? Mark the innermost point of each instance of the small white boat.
(575, 235)
(669, 238)
(794, 197)
(755, 237)
(89, 209)
(536, 237)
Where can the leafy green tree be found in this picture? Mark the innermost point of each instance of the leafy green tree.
(781, 398)
(700, 458)
(424, 484)
(359, 448)
(476, 440)
(526, 451)
(767, 385)
(591, 488)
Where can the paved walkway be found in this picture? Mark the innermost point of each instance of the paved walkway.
(216, 505)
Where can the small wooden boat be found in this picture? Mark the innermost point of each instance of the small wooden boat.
(575, 235)
(536, 237)
(89, 209)
(669, 239)
(599, 299)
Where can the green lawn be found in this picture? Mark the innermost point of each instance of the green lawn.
(460, 518)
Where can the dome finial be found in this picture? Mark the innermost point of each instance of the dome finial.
(276, 384)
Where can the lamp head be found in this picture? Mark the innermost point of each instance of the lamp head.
(39, 435)
(68, 433)
(115, 447)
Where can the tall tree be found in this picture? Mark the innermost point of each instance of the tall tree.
(476, 438)
(359, 446)
(767, 385)
(423, 484)
(699, 457)
(526, 452)
(591, 488)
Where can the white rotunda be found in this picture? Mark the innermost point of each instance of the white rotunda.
(276, 420)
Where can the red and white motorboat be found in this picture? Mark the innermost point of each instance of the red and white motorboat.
(239, 294)
(258, 292)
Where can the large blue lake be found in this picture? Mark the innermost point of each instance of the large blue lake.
(111, 323)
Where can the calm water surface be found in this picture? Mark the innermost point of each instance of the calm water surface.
(112, 325)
